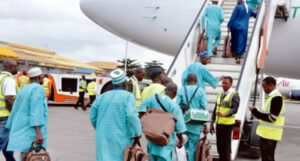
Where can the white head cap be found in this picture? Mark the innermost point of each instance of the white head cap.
(34, 72)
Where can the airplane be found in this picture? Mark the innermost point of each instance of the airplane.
(290, 88)
(163, 25)
(172, 27)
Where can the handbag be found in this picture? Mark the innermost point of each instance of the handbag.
(227, 47)
(184, 107)
(135, 152)
(158, 126)
(201, 44)
(203, 151)
(36, 153)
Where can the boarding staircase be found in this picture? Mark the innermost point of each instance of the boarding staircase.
(243, 74)
(220, 66)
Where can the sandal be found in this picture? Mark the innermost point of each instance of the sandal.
(215, 51)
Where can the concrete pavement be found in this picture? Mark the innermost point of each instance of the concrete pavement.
(72, 138)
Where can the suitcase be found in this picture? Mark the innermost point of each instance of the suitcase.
(36, 153)
(201, 44)
(135, 152)
(203, 151)
(196, 116)
(227, 47)
(158, 125)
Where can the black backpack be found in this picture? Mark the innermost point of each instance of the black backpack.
(184, 107)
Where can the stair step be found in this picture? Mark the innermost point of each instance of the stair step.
(221, 47)
(207, 86)
(217, 60)
(226, 20)
(234, 75)
(251, 25)
(222, 41)
(224, 67)
(211, 91)
(211, 98)
(233, 3)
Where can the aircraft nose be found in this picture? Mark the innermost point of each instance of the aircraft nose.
(85, 5)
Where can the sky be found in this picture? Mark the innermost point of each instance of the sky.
(60, 26)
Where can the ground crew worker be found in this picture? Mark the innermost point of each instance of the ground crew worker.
(47, 86)
(23, 79)
(82, 89)
(133, 84)
(271, 120)
(165, 153)
(28, 121)
(212, 18)
(114, 117)
(158, 78)
(201, 71)
(91, 89)
(224, 115)
(184, 95)
(8, 91)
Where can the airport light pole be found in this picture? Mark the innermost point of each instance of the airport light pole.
(126, 49)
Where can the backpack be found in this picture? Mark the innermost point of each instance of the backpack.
(203, 151)
(184, 107)
(36, 153)
(158, 126)
(135, 152)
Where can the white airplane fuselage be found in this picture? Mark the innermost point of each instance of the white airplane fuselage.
(163, 26)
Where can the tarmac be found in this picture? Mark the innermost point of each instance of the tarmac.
(72, 138)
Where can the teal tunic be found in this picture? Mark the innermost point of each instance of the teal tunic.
(253, 3)
(199, 102)
(202, 73)
(30, 109)
(193, 130)
(157, 152)
(114, 117)
(211, 19)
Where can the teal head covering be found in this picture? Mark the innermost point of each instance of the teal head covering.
(118, 76)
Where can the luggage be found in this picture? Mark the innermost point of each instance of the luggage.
(184, 107)
(201, 44)
(203, 151)
(158, 125)
(135, 152)
(36, 153)
(196, 116)
(227, 47)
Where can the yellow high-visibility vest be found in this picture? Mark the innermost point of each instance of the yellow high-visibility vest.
(23, 80)
(268, 130)
(46, 82)
(224, 106)
(91, 88)
(153, 89)
(136, 92)
(3, 110)
(83, 85)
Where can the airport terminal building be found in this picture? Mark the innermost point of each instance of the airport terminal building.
(50, 62)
